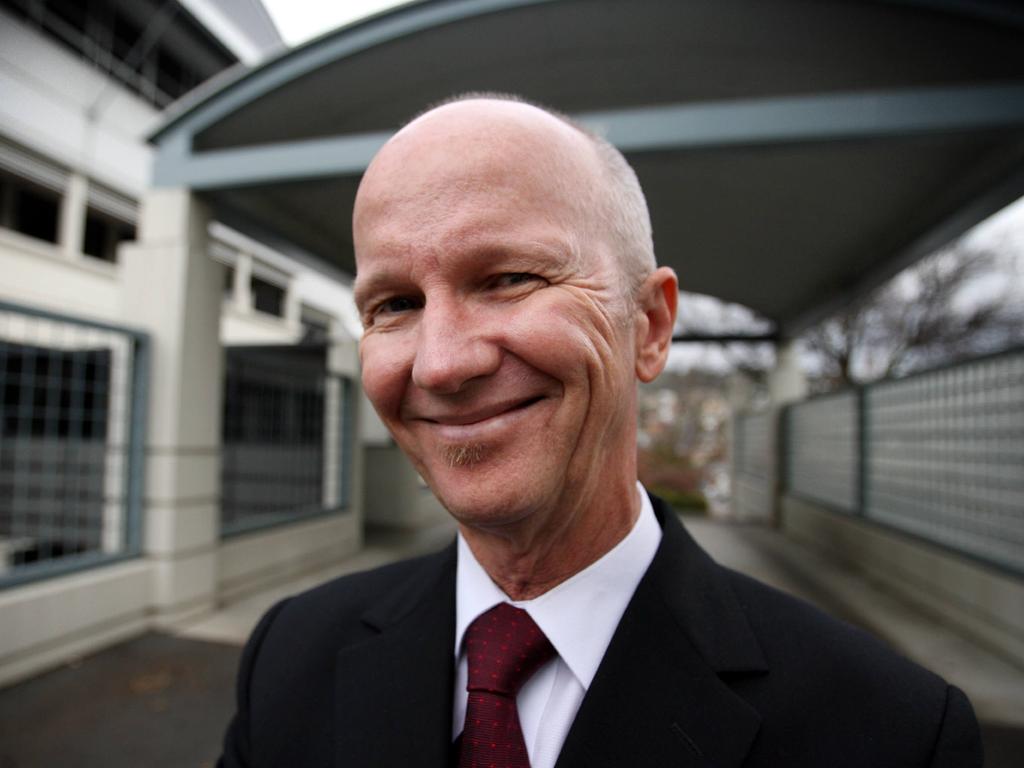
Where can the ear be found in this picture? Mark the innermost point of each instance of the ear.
(656, 307)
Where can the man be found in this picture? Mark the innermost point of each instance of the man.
(510, 298)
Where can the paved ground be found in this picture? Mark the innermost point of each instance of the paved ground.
(163, 700)
(155, 702)
(996, 687)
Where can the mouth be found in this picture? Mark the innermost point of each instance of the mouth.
(482, 415)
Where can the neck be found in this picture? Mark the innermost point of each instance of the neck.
(526, 564)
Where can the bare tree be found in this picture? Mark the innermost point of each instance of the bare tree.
(703, 315)
(960, 302)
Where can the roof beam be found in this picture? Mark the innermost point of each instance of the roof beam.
(267, 163)
(822, 117)
(770, 337)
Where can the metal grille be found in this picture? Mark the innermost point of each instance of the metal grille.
(70, 444)
(755, 449)
(822, 450)
(755, 461)
(285, 437)
(945, 457)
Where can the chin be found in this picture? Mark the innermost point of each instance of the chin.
(486, 497)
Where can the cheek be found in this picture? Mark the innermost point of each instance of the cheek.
(581, 347)
(384, 374)
(572, 339)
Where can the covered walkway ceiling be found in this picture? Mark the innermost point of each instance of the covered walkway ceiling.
(795, 153)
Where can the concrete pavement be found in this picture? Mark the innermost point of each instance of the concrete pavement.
(996, 687)
(163, 700)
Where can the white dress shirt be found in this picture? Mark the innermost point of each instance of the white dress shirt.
(579, 617)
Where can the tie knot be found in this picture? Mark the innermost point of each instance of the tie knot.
(504, 647)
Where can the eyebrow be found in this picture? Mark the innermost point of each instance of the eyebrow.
(525, 256)
(365, 288)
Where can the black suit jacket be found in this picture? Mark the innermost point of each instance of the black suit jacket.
(707, 668)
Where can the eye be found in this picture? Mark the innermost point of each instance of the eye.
(515, 278)
(396, 305)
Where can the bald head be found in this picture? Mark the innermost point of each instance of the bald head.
(503, 139)
(502, 341)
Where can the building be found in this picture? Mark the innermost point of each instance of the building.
(105, 532)
(792, 162)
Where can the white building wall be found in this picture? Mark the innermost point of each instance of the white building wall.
(37, 273)
(54, 104)
(90, 131)
(46, 623)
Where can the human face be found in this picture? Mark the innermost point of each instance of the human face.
(498, 347)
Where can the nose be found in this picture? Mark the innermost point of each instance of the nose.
(452, 348)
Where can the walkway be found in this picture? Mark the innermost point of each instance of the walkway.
(163, 700)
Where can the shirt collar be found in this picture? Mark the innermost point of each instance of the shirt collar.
(579, 616)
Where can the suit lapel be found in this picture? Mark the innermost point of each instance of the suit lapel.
(394, 691)
(658, 697)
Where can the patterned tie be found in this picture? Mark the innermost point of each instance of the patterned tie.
(503, 649)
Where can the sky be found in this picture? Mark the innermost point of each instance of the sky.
(300, 20)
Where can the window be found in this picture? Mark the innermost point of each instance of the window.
(173, 77)
(126, 36)
(267, 297)
(29, 209)
(274, 437)
(102, 234)
(54, 393)
(73, 14)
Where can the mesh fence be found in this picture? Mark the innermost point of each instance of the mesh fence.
(755, 447)
(69, 447)
(945, 457)
(822, 450)
(942, 456)
(756, 466)
(285, 451)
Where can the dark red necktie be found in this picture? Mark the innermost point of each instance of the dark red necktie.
(503, 649)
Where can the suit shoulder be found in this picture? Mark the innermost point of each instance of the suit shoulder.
(792, 630)
(334, 614)
(353, 594)
(845, 686)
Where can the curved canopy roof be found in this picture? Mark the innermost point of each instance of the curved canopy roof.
(794, 152)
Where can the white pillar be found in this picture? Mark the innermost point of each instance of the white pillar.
(292, 313)
(172, 289)
(787, 382)
(74, 208)
(118, 421)
(343, 360)
(241, 295)
(331, 491)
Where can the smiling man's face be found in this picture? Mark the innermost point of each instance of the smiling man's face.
(499, 346)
